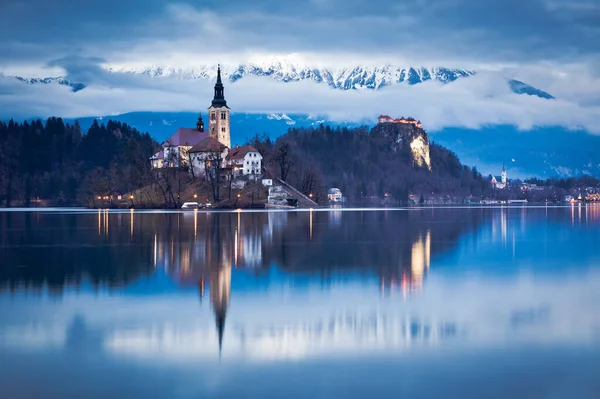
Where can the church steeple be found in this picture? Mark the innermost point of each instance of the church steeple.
(219, 98)
(218, 122)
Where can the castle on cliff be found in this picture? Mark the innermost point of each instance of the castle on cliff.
(409, 120)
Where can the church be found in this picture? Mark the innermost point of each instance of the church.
(189, 147)
(500, 182)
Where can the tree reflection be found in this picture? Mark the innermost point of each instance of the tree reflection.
(110, 250)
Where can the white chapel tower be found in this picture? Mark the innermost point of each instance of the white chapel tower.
(218, 115)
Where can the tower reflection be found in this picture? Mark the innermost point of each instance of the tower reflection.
(202, 249)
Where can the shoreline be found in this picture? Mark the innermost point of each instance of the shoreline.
(299, 209)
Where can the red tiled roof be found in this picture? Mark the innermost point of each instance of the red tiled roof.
(185, 136)
(240, 152)
(384, 116)
(208, 144)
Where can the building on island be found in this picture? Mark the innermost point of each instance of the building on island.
(500, 182)
(176, 148)
(157, 160)
(408, 121)
(194, 147)
(218, 125)
(206, 151)
(245, 160)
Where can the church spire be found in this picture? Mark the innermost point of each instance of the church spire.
(219, 75)
(219, 98)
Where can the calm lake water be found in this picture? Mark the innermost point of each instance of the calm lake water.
(434, 303)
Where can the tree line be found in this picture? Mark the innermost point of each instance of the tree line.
(365, 164)
(55, 161)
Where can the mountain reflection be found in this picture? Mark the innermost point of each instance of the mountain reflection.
(226, 256)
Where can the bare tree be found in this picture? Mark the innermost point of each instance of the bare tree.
(213, 166)
(282, 158)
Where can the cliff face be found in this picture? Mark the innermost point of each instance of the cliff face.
(406, 139)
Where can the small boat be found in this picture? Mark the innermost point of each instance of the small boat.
(190, 205)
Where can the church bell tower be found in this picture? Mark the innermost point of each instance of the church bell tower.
(200, 124)
(218, 114)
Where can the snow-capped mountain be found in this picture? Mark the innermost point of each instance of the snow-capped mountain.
(358, 77)
(523, 88)
(75, 87)
(281, 117)
(282, 70)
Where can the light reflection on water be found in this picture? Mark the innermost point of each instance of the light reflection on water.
(169, 293)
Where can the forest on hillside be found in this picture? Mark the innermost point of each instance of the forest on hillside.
(365, 165)
(57, 162)
(53, 163)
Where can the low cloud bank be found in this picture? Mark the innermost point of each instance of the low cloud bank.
(483, 99)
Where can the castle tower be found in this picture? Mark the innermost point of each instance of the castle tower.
(219, 127)
(503, 174)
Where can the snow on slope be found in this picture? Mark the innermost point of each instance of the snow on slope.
(358, 77)
(288, 70)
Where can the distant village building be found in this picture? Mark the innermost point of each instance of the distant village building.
(500, 182)
(335, 195)
(409, 121)
(245, 160)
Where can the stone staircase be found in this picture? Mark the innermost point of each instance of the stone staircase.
(303, 200)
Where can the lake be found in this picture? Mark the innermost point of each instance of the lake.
(479, 302)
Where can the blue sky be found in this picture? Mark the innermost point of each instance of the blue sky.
(551, 44)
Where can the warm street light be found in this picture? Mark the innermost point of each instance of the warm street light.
(195, 196)
(310, 195)
(99, 197)
(131, 197)
(239, 196)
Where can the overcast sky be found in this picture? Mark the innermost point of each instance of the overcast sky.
(551, 44)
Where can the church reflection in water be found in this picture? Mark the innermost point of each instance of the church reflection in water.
(229, 255)
(202, 248)
(207, 250)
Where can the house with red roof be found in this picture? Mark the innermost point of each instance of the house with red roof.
(244, 160)
(208, 150)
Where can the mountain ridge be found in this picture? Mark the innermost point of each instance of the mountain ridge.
(343, 78)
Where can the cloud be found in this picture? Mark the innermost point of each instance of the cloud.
(550, 44)
(482, 99)
(426, 31)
